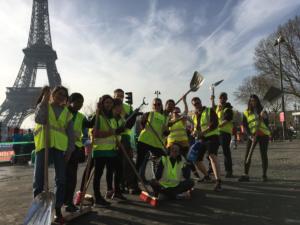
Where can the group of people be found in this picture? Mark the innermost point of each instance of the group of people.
(175, 143)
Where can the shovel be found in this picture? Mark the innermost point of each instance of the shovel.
(40, 212)
(249, 156)
(196, 82)
(212, 87)
(253, 144)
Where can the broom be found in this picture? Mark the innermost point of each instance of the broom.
(145, 194)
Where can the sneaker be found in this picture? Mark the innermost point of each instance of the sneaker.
(264, 178)
(244, 178)
(109, 194)
(101, 202)
(135, 191)
(184, 195)
(205, 179)
(71, 208)
(78, 197)
(59, 220)
(196, 175)
(229, 174)
(119, 195)
(218, 186)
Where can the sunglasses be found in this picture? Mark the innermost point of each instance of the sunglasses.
(157, 104)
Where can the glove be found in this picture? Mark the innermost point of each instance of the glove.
(119, 130)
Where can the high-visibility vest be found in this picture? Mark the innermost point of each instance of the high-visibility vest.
(127, 109)
(253, 122)
(57, 131)
(171, 176)
(204, 121)
(227, 128)
(177, 132)
(195, 121)
(147, 135)
(79, 117)
(107, 143)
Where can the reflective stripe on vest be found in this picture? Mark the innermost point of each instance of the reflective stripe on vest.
(57, 127)
(107, 143)
(78, 129)
(147, 136)
(204, 121)
(195, 121)
(227, 128)
(253, 121)
(177, 132)
(171, 176)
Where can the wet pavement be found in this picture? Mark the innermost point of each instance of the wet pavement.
(274, 202)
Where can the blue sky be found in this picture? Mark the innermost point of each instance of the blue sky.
(145, 45)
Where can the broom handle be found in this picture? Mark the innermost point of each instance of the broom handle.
(249, 156)
(189, 91)
(46, 138)
(128, 159)
(157, 136)
(132, 165)
(254, 141)
(88, 175)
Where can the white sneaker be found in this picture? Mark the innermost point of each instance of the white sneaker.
(184, 195)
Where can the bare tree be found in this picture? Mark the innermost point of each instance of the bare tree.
(267, 56)
(258, 85)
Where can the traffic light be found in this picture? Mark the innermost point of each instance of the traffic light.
(128, 98)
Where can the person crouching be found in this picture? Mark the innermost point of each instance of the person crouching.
(172, 176)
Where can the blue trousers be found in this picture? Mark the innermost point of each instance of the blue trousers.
(57, 157)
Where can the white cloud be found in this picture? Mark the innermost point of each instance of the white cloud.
(230, 47)
(138, 54)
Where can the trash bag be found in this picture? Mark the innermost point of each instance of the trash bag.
(194, 150)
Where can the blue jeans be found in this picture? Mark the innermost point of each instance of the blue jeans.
(57, 157)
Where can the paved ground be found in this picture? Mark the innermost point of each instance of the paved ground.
(276, 202)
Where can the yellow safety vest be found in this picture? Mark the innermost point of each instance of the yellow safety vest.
(177, 133)
(78, 129)
(227, 128)
(107, 143)
(126, 112)
(253, 122)
(147, 136)
(171, 176)
(57, 131)
(204, 121)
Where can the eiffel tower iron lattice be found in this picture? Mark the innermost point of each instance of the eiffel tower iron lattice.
(21, 98)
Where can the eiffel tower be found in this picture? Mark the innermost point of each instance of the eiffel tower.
(21, 98)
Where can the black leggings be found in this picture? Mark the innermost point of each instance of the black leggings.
(225, 139)
(263, 142)
(172, 192)
(71, 176)
(118, 169)
(142, 151)
(100, 163)
(89, 174)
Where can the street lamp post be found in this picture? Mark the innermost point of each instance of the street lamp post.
(278, 41)
(157, 93)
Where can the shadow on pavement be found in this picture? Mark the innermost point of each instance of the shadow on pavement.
(239, 203)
